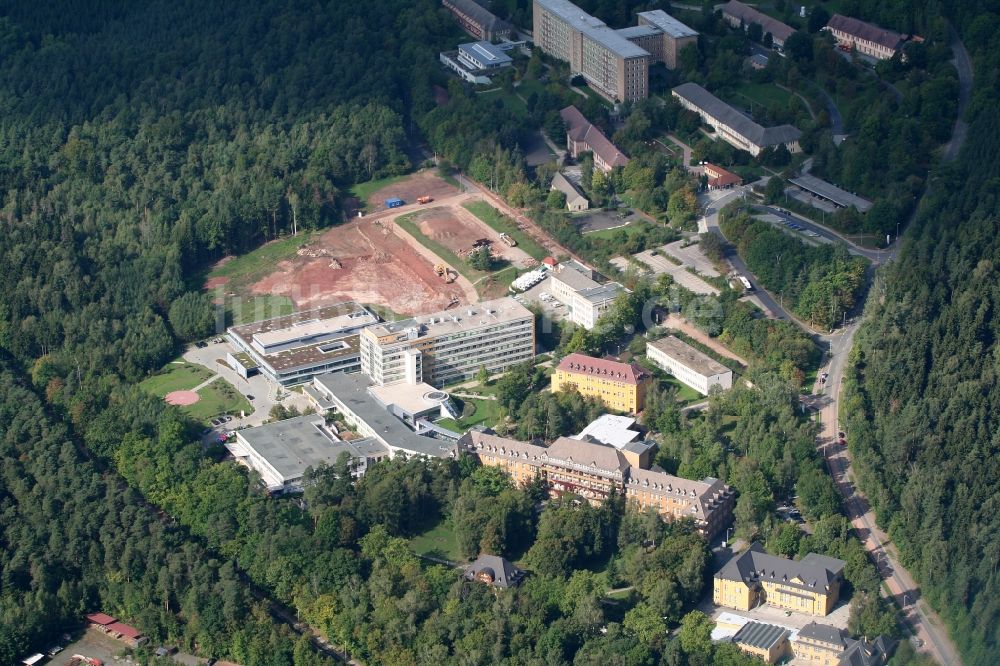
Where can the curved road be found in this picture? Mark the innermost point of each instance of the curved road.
(926, 624)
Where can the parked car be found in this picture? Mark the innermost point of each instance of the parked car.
(249, 397)
(205, 431)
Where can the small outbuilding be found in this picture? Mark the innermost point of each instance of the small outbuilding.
(494, 570)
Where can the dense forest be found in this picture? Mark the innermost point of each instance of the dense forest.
(821, 282)
(924, 401)
(141, 141)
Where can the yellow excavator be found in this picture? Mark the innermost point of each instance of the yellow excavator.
(445, 273)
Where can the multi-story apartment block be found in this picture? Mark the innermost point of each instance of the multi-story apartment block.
(449, 346)
(613, 66)
(699, 371)
(731, 125)
(810, 585)
(739, 15)
(620, 386)
(592, 471)
(477, 20)
(670, 36)
(866, 38)
(824, 645)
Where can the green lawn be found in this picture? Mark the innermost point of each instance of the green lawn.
(763, 94)
(217, 398)
(503, 224)
(439, 542)
(262, 260)
(181, 376)
(364, 190)
(513, 103)
(685, 393)
(487, 412)
(608, 234)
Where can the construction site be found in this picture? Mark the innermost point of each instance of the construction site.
(368, 261)
(462, 232)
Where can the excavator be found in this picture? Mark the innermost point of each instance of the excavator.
(445, 273)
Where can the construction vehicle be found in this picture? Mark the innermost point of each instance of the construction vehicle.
(425, 199)
(507, 239)
(445, 273)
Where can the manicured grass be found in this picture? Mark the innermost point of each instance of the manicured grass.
(685, 393)
(217, 398)
(182, 376)
(385, 313)
(439, 542)
(487, 412)
(364, 190)
(254, 308)
(503, 224)
(509, 100)
(764, 94)
(608, 234)
(262, 260)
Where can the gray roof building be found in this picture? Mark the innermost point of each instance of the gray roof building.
(494, 570)
(281, 452)
(736, 14)
(760, 635)
(477, 20)
(574, 197)
(592, 27)
(667, 24)
(825, 633)
(350, 395)
(868, 653)
(811, 572)
(728, 121)
(830, 192)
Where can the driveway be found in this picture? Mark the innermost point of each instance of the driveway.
(265, 394)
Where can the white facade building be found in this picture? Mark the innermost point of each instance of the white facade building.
(449, 346)
(690, 366)
(574, 286)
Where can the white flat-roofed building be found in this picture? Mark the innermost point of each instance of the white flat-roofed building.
(611, 429)
(380, 417)
(294, 348)
(699, 371)
(574, 286)
(449, 346)
(483, 55)
(281, 452)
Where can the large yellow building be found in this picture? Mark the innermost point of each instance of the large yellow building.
(823, 645)
(810, 585)
(620, 386)
(593, 471)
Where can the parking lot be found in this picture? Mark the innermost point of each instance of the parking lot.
(793, 228)
(659, 264)
(541, 295)
(598, 220)
(691, 255)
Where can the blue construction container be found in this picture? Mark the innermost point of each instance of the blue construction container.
(394, 202)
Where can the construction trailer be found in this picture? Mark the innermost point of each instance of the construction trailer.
(394, 202)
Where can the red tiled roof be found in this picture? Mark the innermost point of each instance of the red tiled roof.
(550, 261)
(862, 30)
(125, 630)
(719, 177)
(580, 129)
(100, 618)
(580, 364)
(748, 15)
